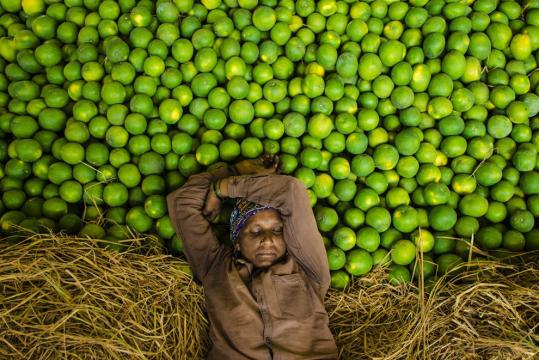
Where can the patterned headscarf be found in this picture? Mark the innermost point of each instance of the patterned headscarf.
(243, 210)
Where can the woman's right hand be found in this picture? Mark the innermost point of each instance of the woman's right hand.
(264, 165)
(212, 206)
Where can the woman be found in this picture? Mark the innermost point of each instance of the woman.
(264, 297)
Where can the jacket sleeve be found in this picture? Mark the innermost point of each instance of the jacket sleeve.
(288, 195)
(185, 206)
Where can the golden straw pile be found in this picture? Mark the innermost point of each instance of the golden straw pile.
(488, 311)
(70, 298)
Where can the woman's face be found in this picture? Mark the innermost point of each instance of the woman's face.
(261, 240)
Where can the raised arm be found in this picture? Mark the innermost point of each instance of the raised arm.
(288, 195)
(185, 206)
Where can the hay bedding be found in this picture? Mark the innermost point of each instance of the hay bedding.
(69, 298)
(489, 311)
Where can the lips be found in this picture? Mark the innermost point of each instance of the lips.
(266, 254)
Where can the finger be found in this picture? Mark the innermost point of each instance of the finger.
(279, 168)
(269, 160)
(278, 165)
(206, 210)
(210, 213)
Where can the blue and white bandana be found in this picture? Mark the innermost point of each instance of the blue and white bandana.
(243, 210)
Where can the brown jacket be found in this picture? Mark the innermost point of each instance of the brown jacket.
(273, 314)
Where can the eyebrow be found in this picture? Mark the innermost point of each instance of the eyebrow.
(271, 224)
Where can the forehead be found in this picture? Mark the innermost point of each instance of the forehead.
(268, 217)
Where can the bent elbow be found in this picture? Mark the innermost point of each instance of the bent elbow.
(295, 184)
(325, 280)
(173, 199)
(297, 188)
(298, 191)
(181, 204)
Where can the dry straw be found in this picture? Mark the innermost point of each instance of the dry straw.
(66, 298)
(69, 298)
(488, 311)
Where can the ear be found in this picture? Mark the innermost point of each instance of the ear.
(237, 246)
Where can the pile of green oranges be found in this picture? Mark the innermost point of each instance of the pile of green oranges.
(413, 124)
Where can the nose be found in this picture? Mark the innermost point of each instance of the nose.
(267, 238)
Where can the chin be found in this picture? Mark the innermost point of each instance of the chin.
(263, 264)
